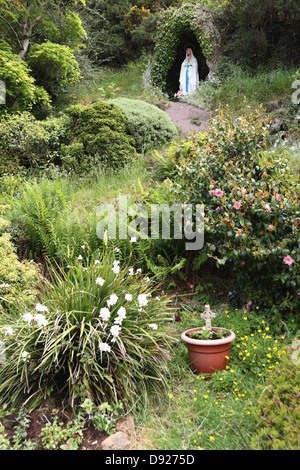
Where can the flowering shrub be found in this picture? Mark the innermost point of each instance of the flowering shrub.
(251, 205)
(98, 332)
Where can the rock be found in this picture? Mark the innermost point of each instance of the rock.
(118, 441)
(277, 126)
(126, 425)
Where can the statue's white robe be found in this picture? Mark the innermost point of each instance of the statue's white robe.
(189, 76)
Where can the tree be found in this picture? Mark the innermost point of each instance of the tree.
(32, 20)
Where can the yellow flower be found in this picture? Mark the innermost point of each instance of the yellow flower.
(212, 438)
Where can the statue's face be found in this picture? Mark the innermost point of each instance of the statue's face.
(188, 53)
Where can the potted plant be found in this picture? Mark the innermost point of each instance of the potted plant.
(208, 347)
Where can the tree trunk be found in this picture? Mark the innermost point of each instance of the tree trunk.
(27, 32)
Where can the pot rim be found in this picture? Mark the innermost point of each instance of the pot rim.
(207, 342)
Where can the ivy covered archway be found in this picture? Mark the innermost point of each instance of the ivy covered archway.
(189, 25)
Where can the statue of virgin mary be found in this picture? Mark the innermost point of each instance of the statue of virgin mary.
(189, 74)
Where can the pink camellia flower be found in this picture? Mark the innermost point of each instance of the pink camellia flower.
(288, 260)
(237, 205)
(271, 228)
(267, 208)
(218, 192)
(243, 190)
(277, 197)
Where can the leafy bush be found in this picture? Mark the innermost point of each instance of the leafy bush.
(277, 412)
(24, 141)
(22, 93)
(18, 280)
(251, 206)
(148, 125)
(99, 332)
(100, 136)
(54, 66)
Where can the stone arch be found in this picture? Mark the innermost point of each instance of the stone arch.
(189, 24)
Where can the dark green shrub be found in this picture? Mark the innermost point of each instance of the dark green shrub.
(251, 205)
(99, 135)
(53, 66)
(148, 125)
(27, 142)
(277, 412)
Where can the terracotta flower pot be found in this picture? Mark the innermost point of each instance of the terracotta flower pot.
(208, 356)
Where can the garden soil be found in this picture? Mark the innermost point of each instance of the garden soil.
(188, 118)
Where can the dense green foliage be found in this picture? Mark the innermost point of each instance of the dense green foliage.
(99, 137)
(22, 92)
(18, 280)
(149, 126)
(27, 142)
(277, 412)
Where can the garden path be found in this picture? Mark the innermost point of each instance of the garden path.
(187, 117)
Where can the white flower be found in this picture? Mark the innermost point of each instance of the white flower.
(153, 326)
(104, 314)
(116, 268)
(80, 258)
(25, 355)
(115, 330)
(117, 250)
(104, 347)
(121, 316)
(5, 286)
(142, 300)
(138, 271)
(9, 331)
(100, 281)
(83, 247)
(128, 297)
(147, 279)
(132, 239)
(41, 320)
(112, 300)
(97, 261)
(28, 317)
(41, 308)
(131, 272)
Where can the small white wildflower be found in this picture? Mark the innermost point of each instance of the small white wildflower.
(4, 286)
(41, 320)
(9, 331)
(100, 281)
(142, 300)
(112, 300)
(104, 347)
(121, 316)
(138, 271)
(80, 258)
(41, 308)
(153, 326)
(131, 272)
(133, 240)
(115, 331)
(83, 247)
(147, 279)
(128, 297)
(97, 261)
(116, 269)
(104, 314)
(117, 250)
(28, 317)
(25, 355)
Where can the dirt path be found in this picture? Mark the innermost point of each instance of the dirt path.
(182, 114)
